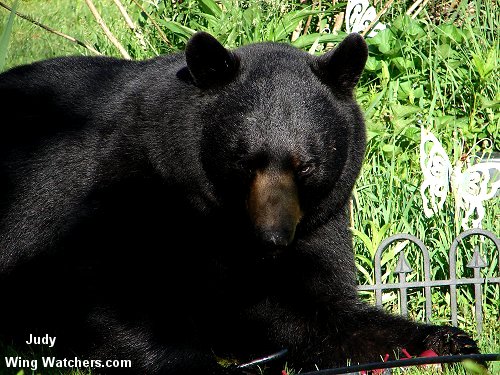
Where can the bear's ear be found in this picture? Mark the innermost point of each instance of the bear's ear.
(208, 62)
(342, 67)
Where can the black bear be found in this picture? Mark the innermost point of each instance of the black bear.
(190, 207)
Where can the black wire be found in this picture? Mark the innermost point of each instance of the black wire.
(407, 362)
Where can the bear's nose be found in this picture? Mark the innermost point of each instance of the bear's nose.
(275, 238)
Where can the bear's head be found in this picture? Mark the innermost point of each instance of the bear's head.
(283, 139)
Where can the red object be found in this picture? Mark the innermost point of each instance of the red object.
(283, 372)
(426, 353)
(405, 352)
(430, 353)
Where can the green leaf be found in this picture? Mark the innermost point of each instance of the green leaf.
(474, 367)
(249, 16)
(485, 66)
(4, 40)
(419, 92)
(408, 26)
(305, 41)
(371, 108)
(210, 7)
(402, 111)
(378, 234)
(290, 21)
(383, 40)
(444, 51)
(400, 125)
(450, 33)
(487, 103)
(386, 76)
(391, 149)
(177, 28)
(479, 64)
(366, 241)
(403, 64)
(404, 89)
(212, 23)
(372, 64)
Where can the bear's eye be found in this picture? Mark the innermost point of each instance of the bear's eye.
(306, 169)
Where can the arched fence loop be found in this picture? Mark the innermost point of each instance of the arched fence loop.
(476, 263)
(403, 267)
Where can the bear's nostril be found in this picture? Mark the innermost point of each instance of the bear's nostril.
(275, 238)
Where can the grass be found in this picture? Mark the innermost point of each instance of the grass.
(5, 36)
(30, 43)
(428, 83)
(439, 70)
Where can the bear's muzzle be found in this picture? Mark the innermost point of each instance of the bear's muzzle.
(274, 207)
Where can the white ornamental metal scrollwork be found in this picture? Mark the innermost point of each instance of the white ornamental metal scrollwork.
(358, 15)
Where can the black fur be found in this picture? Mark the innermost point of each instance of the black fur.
(124, 210)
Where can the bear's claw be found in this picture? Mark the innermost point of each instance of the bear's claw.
(450, 341)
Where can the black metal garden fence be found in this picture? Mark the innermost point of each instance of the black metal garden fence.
(402, 268)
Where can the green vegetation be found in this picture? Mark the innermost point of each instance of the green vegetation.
(443, 76)
(439, 70)
(31, 43)
(5, 36)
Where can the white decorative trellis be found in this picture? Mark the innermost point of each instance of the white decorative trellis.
(358, 15)
(471, 185)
